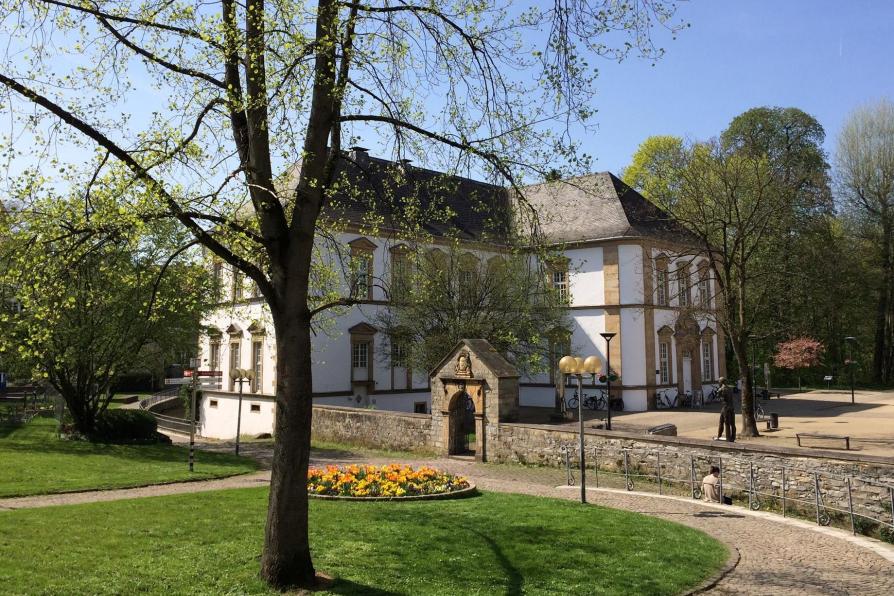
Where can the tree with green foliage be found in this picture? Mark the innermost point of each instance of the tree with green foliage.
(744, 197)
(81, 313)
(447, 295)
(654, 168)
(245, 89)
(865, 182)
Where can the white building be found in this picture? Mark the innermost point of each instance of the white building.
(627, 269)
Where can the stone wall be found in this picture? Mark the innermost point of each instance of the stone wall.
(381, 429)
(684, 459)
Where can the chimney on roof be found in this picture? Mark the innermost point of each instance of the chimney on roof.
(359, 154)
(405, 165)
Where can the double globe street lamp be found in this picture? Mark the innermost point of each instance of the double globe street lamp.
(240, 375)
(575, 365)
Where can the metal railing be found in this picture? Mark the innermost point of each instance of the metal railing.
(861, 504)
(169, 423)
(164, 395)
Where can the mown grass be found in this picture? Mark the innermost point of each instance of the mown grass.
(33, 460)
(208, 543)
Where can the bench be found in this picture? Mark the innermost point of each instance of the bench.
(845, 438)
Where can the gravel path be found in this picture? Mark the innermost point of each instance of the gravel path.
(777, 556)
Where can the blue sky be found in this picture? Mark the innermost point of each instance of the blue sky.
(822, 56)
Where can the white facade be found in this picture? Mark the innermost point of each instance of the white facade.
(666, 338)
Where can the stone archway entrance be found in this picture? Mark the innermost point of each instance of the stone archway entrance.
(473, 389)
(462, 431)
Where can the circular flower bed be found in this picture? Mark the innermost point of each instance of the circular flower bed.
(393, 481)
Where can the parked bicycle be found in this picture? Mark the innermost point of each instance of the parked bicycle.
(593, 402)
(713, 395)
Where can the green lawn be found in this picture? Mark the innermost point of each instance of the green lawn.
(34, 461)
(208, 543)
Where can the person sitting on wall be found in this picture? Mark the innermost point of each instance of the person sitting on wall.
(727, 413)
(711, 486)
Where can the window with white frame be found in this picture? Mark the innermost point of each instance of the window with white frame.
(707, 360)
(398, 355)
(664, 362)
(214, 354)
(360, 355)
(683, 286)
(661, 282)
(238, 285)
(257, 364)
(235, 361)
(704, 290)
(560, 283)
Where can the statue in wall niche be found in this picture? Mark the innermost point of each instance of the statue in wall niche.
(463, 366)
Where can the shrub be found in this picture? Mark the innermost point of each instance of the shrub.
(887, 534)
(125, 426)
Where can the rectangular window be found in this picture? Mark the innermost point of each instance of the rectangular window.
(362, 281)
(704, 297)
(212, 403)
(664, 362)
(661, 287)
(683, 286)
(257, 365)
(398, 355)
(400, 271)
(707, 361)
(255, 408)
(238, 284)
(360, 355)
(419, 407)
(214, 355)
(235, 362)
(560, 284)
(217, 279)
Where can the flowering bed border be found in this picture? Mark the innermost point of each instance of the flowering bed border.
(463, 493)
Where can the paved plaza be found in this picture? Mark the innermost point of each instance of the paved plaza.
(869, 422)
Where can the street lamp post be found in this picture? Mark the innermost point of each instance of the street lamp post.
(575, 365)
(194, 365)
(850, 362)
(240, 375)
(608, 378)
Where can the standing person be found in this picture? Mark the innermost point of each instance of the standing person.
(727, 413)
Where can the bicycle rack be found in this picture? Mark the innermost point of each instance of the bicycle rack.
(822, 516)
(696, 490)
(569, 475)
(627, 479)
(754, 502)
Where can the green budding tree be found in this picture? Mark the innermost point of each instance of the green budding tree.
(205, 103)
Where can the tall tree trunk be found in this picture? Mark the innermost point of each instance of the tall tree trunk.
(286, 561)
(882, 364)
(749, 424)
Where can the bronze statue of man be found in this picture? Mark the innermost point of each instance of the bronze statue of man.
(727, 413)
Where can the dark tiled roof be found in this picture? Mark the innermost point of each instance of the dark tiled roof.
(592, 207)
(597, 207)
(394, 194)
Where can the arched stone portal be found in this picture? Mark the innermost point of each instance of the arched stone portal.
(472, 377)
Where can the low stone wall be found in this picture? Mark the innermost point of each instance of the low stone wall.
(683, 459)
(400, 431)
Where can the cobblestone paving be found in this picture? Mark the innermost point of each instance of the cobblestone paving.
(777, 556)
